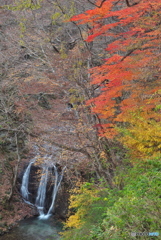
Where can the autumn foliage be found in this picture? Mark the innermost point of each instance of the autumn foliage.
(129, 79)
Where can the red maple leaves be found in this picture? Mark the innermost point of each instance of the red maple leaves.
(132, 71)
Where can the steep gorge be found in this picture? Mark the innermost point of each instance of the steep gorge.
(43, 92)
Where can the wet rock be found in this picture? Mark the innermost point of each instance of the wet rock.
(61, 203)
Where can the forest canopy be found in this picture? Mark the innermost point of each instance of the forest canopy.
(80, 80)
(128, 105)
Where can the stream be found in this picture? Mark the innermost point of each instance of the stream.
(35, 229)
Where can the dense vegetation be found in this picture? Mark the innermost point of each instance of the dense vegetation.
(109, 53)
(99, 212)
(129, 103)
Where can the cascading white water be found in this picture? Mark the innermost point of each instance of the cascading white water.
(56, 187)
(41, 192)
(58, 179)
(54, 190)
(25, 182)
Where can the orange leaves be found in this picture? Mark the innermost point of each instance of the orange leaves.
(94, 14)
(101, 30)
(114, 59)
(113, 47)
(109, 132)
(153, 33)
(133, 69)
(82, 18)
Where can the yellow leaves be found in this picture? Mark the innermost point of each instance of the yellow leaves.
(81, 197)
(39, 160)
(102, 154)
(22, 26)
(73, 221)
(55, 16)
(21, 42)
(143, 136)
(24, 4)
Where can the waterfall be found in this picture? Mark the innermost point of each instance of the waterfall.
(41, 191)
(25, 182)
(56, 187)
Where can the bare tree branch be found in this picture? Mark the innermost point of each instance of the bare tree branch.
(16, 168)
(99, 6)
(73, 149)
(128, 4)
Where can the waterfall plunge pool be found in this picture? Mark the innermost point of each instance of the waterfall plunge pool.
(44, 227)
(35, 229)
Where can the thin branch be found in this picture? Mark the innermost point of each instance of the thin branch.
(128, 54)
(60, 7)
(10, 130)
(73, 149)
(128, 4)
(16, 168)
(99, 6)
(80, 32)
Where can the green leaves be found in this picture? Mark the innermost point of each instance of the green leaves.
(116, 213)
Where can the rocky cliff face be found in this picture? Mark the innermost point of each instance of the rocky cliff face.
(60, 207)
(44, 85)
